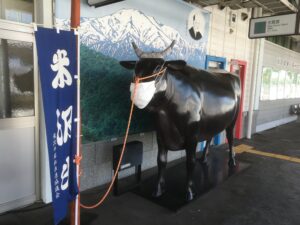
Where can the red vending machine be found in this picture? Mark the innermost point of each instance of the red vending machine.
(239, 67)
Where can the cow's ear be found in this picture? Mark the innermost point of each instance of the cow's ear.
(176, 64)
(128, 64)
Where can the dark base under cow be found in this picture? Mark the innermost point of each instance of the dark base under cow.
(206, 177)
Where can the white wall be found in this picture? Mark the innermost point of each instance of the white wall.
(273, 113)
(17, 175)
(279, 57)
(231, 41)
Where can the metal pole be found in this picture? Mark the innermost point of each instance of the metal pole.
(75, 13)
(75, 23)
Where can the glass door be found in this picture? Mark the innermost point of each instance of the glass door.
(18, 123)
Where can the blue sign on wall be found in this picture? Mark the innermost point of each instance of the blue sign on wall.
(57, 56)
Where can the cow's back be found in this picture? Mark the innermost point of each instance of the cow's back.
(219, 94)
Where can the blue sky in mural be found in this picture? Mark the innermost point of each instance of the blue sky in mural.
(176, 11)
(165, 19)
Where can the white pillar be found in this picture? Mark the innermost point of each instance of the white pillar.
(257, 61)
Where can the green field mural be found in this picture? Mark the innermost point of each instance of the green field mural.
(105, 98)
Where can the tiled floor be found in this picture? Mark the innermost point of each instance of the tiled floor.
(265, 193)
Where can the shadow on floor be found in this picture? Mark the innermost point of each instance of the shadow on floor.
(206, 177)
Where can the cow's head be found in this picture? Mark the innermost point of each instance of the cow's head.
(150, 63)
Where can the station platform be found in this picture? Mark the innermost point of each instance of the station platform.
(266, 191)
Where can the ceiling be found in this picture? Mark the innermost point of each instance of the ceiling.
(268, 6)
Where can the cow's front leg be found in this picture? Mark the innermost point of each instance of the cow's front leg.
(190, 165)
(162, 159)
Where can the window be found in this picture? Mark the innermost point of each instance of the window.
(279, 84)
(274, 85)
(298, 86)
(16, 75)
(17, 10)
(266, 81)
(290, 85)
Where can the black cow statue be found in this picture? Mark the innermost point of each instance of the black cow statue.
(190, 105)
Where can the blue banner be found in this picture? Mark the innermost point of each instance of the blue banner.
(57, 57)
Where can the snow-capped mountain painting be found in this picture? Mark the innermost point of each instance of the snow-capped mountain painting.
(106, 34)
(112, 36)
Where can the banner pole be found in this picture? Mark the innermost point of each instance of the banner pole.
(75, 23)
(78, 148)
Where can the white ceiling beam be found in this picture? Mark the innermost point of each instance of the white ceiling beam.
(289, 5)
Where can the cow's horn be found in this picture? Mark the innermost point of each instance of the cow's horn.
(168, 49)
(138, 51)
(161, 54)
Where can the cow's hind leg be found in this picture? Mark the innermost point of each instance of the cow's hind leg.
(229, 135)
(190, 165)
(162, 159)
(203, 158)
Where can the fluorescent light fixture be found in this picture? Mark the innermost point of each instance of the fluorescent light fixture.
(98, 3)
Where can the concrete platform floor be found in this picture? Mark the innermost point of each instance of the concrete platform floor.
(266, 193)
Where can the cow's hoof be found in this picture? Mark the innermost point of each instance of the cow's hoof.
(190, 195)
(159, 191)
(231, 163)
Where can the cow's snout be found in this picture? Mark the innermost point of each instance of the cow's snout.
(142, 93)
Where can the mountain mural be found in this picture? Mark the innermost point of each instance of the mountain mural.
(105, 95)
(112, 36)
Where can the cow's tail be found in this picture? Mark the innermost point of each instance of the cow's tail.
(238, 94)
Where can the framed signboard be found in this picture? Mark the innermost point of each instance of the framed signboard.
(98, 3)
(272, 26)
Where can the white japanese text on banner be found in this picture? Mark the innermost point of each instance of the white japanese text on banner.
(57, 56)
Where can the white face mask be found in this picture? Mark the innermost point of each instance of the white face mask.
(144, 93)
